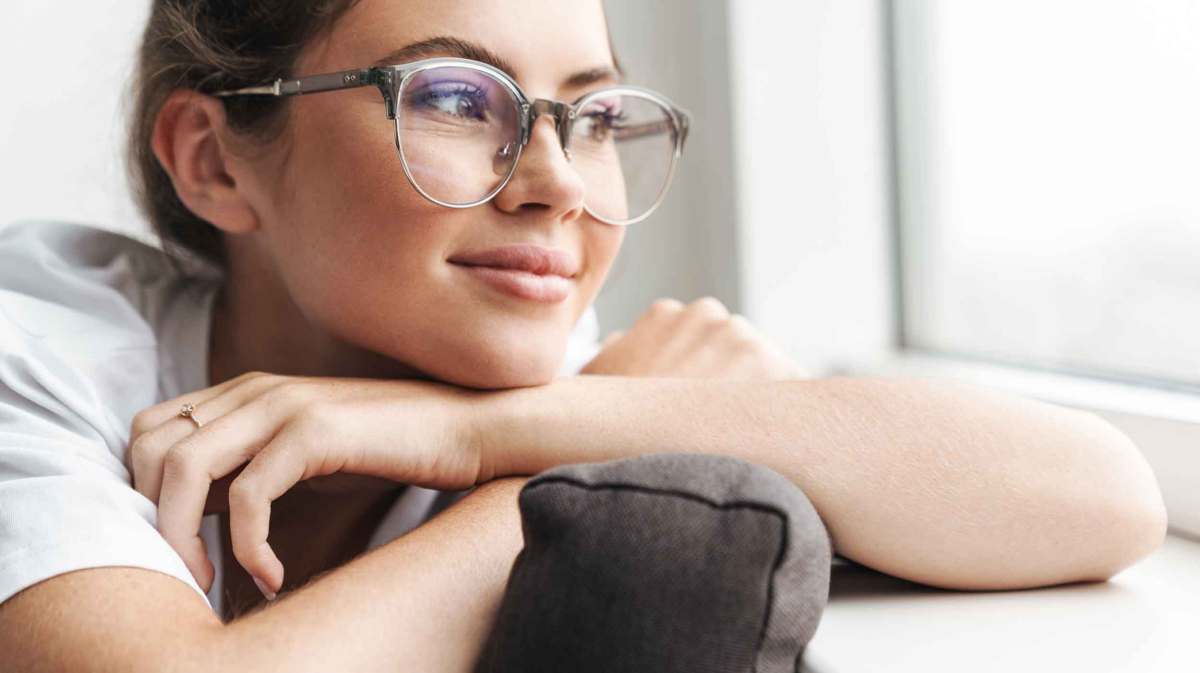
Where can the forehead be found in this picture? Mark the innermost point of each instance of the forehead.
(545, 41)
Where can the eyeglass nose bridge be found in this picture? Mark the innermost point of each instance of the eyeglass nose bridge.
(564, 119)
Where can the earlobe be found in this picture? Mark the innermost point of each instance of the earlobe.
(186, 141)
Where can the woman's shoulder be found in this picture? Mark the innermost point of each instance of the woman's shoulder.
(87, 319)
(84, 317)
(93, 287)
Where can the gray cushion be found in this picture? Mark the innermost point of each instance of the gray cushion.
(662, 563)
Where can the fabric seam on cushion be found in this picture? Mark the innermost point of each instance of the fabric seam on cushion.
(733, 504)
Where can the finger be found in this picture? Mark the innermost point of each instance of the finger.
(659, 321)
(146, 450)
(191, 466)
(702, 319)
(150, 451)
(693, 336)
(741, 324)
(156, 415)
(611, 338)
(662, 310)
(287, 460)
(708, 307)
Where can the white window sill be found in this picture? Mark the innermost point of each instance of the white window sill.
(1143, 619)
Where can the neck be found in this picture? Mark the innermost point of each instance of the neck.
(256, 326)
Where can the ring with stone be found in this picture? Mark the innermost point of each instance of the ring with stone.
(188, 411)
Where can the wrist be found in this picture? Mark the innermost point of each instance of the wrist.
(481, 432)
(505, 428)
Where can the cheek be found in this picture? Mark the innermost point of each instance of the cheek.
(350, 229)
(346, 193)
(363, 256)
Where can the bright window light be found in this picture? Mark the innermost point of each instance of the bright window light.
(1049, 183)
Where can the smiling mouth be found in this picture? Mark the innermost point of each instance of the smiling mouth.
(541, 288)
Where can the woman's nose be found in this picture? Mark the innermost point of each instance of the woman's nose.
(544, 180)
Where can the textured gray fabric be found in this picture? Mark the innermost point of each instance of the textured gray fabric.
(687, 563)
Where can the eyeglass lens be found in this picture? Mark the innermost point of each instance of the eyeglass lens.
(458, 130)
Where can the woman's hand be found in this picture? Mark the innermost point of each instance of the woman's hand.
(700, 340)
(284, 430)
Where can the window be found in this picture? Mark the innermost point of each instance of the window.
(1006, 193)
(1048, 176)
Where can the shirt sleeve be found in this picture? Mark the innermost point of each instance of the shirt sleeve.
(73, 370)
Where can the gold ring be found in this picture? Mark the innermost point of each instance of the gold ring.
(187, 411)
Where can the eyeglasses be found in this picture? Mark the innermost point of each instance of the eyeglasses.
(461, 126)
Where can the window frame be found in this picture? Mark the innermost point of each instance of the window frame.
(837, 305)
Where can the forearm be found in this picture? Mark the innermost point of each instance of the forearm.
(943, 484)
(424, 602)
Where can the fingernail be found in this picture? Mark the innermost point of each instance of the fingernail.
(262, 586)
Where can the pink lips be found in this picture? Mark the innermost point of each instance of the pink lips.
(523, 271)
(531, 258)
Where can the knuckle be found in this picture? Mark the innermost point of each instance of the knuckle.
(741, 328)
(283, 395)
(142, 423)
(265, 380)
(179, 461)
(665, 305)
(294, 389)
(710, 306)
(144, 459)
(253, 374)
(142, 447)
(739, 321)
(242, 492)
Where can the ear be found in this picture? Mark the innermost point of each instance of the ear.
(187, 140)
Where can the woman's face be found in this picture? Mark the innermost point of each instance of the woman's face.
(365, 257)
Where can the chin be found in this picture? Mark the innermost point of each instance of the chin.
(508, 377)
(515, 368)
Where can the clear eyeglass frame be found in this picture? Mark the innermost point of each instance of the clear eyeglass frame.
(390, 80)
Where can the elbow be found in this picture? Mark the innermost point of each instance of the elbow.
(1126, 518)
(1137, 529)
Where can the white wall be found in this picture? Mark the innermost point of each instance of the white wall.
(61, 128)
(813, 177)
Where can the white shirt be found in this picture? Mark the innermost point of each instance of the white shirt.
(94, 327)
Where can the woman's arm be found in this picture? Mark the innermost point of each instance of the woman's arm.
(947, 485)
(424, 602)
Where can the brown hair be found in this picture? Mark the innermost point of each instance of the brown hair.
(209, 45)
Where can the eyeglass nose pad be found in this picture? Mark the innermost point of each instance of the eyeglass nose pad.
(502, 161)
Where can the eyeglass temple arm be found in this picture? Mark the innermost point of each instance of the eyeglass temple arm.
(333, 81)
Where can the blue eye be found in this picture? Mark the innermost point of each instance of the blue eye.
(456, 99)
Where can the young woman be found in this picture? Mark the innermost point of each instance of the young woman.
(407, 225)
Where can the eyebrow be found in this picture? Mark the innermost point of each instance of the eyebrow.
(453, 46)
